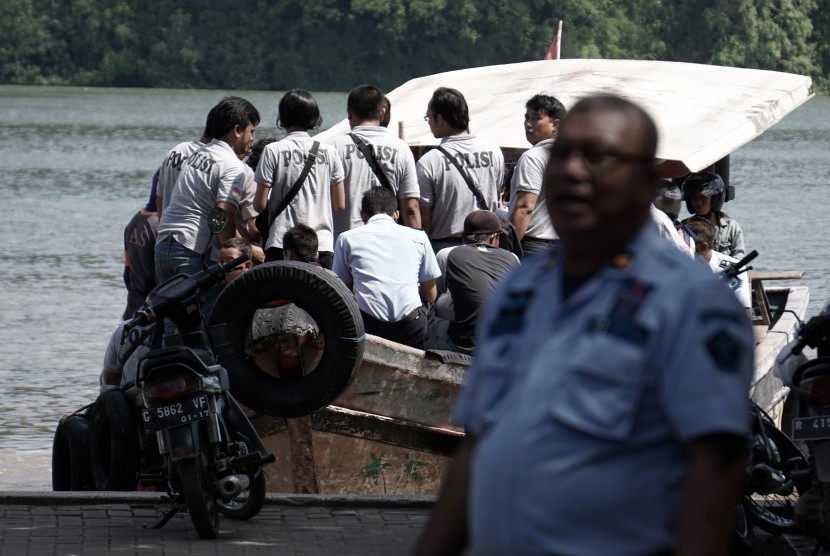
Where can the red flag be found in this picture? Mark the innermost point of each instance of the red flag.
(556, 45)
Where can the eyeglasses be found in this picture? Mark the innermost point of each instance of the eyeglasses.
(595, 158)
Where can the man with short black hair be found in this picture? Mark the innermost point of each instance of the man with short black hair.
(391, 269)
(295, 184)
(367, 108)
(465, 177)
(614, 354)
(528, 212)
(211, 182)
(300, 244)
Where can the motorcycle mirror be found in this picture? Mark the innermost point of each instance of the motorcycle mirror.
(217, 220)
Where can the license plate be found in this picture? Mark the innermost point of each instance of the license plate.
(811, 428)
(175, 414)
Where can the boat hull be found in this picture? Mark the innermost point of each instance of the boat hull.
(390, 432)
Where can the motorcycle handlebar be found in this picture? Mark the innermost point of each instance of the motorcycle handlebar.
(740, 266)
(211, 275)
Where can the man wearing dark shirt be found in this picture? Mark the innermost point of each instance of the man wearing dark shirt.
(139, 253)
(472, 271)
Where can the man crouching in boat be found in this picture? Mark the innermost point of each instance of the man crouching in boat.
(606, 406)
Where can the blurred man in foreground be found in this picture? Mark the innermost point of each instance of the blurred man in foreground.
(606, 408)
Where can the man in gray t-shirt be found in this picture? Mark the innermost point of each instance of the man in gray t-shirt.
(212, 178)
(446, 198)
(367, 109)
(171, 166)
(527, 199)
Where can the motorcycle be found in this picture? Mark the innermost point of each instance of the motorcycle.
(810, 382)
(211, 456)
(777, 472)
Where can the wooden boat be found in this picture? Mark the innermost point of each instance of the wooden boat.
(390, 431)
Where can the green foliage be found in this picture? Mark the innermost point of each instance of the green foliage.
(336, 44)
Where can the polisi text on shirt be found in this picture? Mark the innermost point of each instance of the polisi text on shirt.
(298, 157)
(201, 162)
(175, 160)
(471, 160)
(381, 153)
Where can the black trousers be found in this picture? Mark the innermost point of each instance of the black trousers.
(410, 331)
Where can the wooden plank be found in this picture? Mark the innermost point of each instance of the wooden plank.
(301, 445)
(776, 275)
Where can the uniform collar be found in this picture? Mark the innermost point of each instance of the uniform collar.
(222, 144)
(369, 128)
(456, 138)
(297, 134)
(544, 143)
(380, 218)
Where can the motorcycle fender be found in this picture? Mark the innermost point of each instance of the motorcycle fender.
(182, 442)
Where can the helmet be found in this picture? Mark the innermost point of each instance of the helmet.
(708, 184)
(668, 199)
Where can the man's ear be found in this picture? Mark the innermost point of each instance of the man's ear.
(396, 215)
(555, 123)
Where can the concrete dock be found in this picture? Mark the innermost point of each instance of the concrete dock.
(104, 523)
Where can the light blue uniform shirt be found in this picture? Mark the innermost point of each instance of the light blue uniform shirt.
(582, 408)
(383, 263)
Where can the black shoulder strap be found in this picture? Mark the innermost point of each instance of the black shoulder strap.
(309, 162)
(369, 155)
(482, 204)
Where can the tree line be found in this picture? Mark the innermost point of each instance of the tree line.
(335, 44)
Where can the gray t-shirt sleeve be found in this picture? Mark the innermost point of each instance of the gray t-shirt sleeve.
(408, 187)
(266, 167)
(425, 184)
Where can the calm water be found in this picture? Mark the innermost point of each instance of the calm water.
(75, 164)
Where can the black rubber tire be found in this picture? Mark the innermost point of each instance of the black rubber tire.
(113, 442)
(246, 505)
(329, 303)
(743, 534)
(199, 496)
(779, 519)
(70, 455)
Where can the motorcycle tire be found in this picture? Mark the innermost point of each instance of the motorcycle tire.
(774, 513)
(248, 503)
(335, 312)
(113, 442)
(743, 534)
(199, 497)
(71, 468)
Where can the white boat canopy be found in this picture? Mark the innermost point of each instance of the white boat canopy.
(703, 112)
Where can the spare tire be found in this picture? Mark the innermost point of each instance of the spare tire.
(113, 442)
(329, 303)
(70, 455)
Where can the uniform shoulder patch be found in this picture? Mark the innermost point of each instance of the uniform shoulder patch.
(725, 350)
